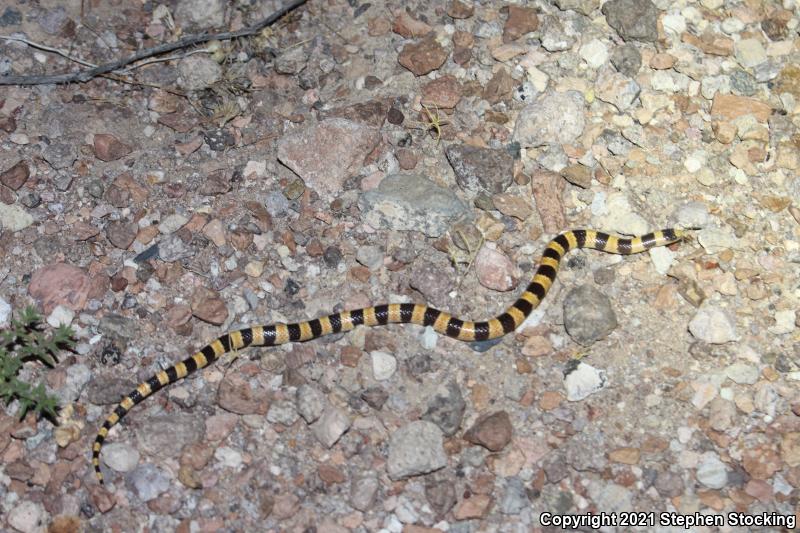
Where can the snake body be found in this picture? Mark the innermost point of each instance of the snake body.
(379, 315)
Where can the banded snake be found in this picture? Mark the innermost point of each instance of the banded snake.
(379, 315)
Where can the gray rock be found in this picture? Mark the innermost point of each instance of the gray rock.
(481, 169)
(415, 449)
(172, 248)
(10, 17)
(291, 61)
(633, 19)
(53, 20)
(117, 327)
(147, 482)
(370, 256)
(200, 13)
(514, 499)
(62, 181)
(28, 517)
(282, 412)
(363, 491)
(120, 456)
(555, 118)
(277, 204)
(405, 202)
(325, 155)
(721, 414)
(375, 397)
(77, 377)
(433, 281)
(617, 89)
(712, 472)
(554, 37)
(713, 325)
(446, 408)
(627, 59)
(743, 83)
(585, 451)
(584, 7)
(332, 424)
(610, 496)
(515, 386)
(172, 223)
(588, 315)
(166, 435)
(198, 72)
(555, 468)
(742, 373)
(60, 155)
(310, 403)
(441, 495)
(669, 484)
(105, 390)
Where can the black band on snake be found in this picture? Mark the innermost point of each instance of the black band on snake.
(380, 315)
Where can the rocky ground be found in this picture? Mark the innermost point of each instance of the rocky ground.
(359, 153)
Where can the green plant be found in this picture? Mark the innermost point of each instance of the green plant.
(24, 341)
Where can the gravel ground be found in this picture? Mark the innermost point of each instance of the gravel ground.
(358, 153)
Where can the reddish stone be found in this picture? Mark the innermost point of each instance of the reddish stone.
(423, 56)
(330, 475)
(521, 20)
(460, 10)
(209, 307)
(477, 506)
(444, 92)
(60, 284)
(492, 431)
(16, 176)
(408, 26)
(109, 148)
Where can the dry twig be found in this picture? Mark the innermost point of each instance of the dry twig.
(82, 76)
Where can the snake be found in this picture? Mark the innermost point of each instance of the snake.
(396, 313)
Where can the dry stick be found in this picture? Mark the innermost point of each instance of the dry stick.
(82, 76)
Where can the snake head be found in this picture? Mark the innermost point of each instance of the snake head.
(685, 234)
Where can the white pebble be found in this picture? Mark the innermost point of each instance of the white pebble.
(713, 325)
(429, 338)
(715, 240)
(712, 472)
(742, 373)
(384, 365)
(595, 53)
(120, 457)
(5, 313)
(228, 456)
(28, 517)
(61, 316)
(784, 322)
(662, 258)
(583, 381)
(172, 223)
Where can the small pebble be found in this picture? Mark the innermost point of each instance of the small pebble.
(384, 365)
(713, 325)
(414, 449)
(583, 381)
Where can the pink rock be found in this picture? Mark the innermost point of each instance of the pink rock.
(326, 154)
(109, 148)
(16, 176)
(495, 270)
(60, 284)
(423, 56)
